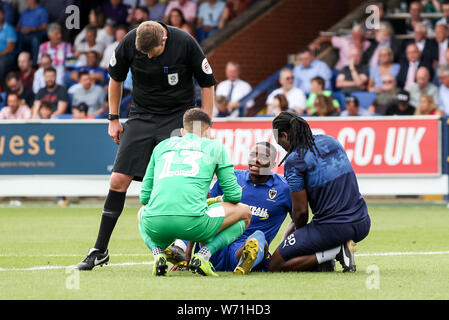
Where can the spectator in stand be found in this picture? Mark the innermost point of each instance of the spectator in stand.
(39, 80)
(407, 71)
(80, 112)
(233, 88)
(345, 44)
(116, 10)
(26, 70)
(221, 107)
(383, 38)
(103, 26)
(120, 33)
(57, 13)
(353, 77)
(279, 104)
(427, 47)
(295, 97)
(317, 88)
(352, 108)
(53, 93)
(58, 50)
(45, 110)
(187, 7)
(443, 74)
(445, 10)
(309, 68)
(441, 37)
(156, 9)
(209, 15)
(386, 98)
(15, 85)
(10, 12)
(176, 19)
(32, 25)
(431, 6)
(98, 75)
(137, 16)
(233, 9)
(415, 11)
(87, 92)
(324, 107)
(8, 39)
(385, 66)
(403, 107)
(90, 45)
(427, 106)
(422, 86)
(14, 110)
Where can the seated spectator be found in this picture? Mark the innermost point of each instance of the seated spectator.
(233, 88)
(233, 9)
(176, 19)
(156, 9)
(187, 7)
(53, 93)
(345, 44)
(441, 37)
(407, 70)
(279, 104)
(353, 77)
(15, 85)
(309, 68)
(209, 15)
(90, 45)
(103, 26)
(317, 88)
(431, 6)
(445, 10)
(14, 110)
(45, 110)
(427, 47)
(80, 111)
(385, 66)
(295, 97)
(39, 81)
(58, 50)
(8, 39)
(99, 75)
(116, 10)
(137, 16)
(32, 25)
(427, 106)
(386, 98)
(324, 107)
(422, 86)
(443, 74)
(222, 107)
(87, 92)
(26, 70)
(352, 108)
(383, 37)
(415, 11)
(10, 12)
(403, 107)
(120, 33)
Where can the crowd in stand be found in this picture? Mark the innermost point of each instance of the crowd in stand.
(48, 72)
(377, 72)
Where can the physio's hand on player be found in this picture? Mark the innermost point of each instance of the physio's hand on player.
(115, 130)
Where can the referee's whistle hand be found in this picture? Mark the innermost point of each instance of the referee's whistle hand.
(115, 130)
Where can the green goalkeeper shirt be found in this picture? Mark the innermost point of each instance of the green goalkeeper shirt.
(179, 175)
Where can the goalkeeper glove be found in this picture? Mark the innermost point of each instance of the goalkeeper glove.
(211, 201)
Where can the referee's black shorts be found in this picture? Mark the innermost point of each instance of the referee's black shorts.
(140, 136)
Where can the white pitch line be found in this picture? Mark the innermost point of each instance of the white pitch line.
(65, 267)
(418, 253)
(75, 255)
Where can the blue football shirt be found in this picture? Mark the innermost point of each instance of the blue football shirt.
(329, 180)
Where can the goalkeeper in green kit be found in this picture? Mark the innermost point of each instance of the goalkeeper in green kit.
(174, 192)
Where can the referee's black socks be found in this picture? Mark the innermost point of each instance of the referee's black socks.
(113, 207)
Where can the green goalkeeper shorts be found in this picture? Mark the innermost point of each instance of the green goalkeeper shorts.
(165, 229)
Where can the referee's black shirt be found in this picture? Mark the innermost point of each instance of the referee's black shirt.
(164, 84)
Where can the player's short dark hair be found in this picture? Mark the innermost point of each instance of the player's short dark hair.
(50, 69)
(196, 115)
(319, 80)
(149, 35)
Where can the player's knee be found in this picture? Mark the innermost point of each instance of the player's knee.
(276, 262)
(138, 213)
(119, 182)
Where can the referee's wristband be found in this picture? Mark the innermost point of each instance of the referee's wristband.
(113, 116)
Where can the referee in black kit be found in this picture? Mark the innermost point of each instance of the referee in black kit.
(163, 61)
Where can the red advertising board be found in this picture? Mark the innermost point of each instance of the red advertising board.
(375, 146)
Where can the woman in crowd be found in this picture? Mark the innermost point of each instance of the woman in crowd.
(324, 107)
(427, 107)
(385, 66)
(176, 19)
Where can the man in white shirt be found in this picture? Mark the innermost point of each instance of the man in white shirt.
(120, 33)
(443, 74)
(295, 96)
(441, 35)
(422, 86)
(234, 89)
(39, 80)
(89, 93)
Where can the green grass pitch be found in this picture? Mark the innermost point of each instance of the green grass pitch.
(404, 257)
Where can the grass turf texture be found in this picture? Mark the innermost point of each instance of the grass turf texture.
(55, 237)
